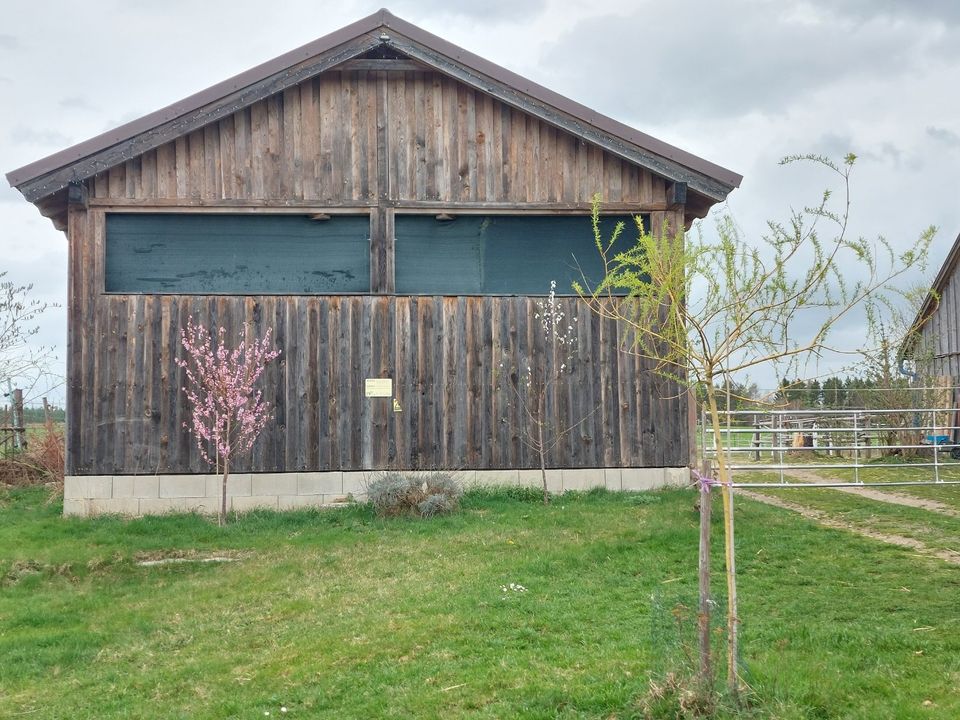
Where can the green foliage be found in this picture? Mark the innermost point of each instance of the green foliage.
(503, 493)
(714, 307)
(705, 310)
(395, 493)
(33, 415)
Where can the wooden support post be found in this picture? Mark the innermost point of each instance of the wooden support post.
(756, 438)
(704, 604)
(868, 453)
(19, 434)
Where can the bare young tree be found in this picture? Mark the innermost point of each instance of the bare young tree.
(543, 430)
(704, 310)
(22, 362)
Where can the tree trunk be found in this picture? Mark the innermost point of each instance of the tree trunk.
(541, 410)
(223, 491)
(726, 491)
(704, 609)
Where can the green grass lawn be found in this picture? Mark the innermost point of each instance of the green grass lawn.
(338, 614)
(879, 472)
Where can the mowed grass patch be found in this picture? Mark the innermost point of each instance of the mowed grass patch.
(877, 473)
(339, 614)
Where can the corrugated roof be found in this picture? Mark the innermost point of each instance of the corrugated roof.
(382, 28)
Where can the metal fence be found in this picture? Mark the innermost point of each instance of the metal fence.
(783, 440)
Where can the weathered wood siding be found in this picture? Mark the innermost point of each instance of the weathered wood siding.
(938, 349)
(451, 360)
(390, 142)
(324, 141)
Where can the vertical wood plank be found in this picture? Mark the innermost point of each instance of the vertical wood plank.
(196, 165)
(275, 148)
(148, 175)
(310, 139)
(228, 158)
(212, 183)
(293, 450)
(78, 239)
(259, 150)
(167, 170)
(404, 374)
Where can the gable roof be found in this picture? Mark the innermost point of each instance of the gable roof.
(52, 174)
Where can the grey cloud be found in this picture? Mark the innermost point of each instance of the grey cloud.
(945, 11)
(21, 135)
(75, 102)
(9, 42)
(943, 135)
(491, 10)
(734, 58)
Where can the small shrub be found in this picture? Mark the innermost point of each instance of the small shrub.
(441, 483)
(436, 504)
(47, 453)
(394, 493)
(42, 462)
(676, 697)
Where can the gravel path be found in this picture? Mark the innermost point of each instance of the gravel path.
(885, 496)
(825, 520)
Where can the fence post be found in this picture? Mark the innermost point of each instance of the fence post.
(19, 438)
(856, 449)
(756, 437)
(868, 453)
(779, 437)
(936, 459)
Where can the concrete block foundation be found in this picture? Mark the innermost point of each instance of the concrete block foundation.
(135, 495)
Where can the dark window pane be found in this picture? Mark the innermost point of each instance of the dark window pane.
(499, 254)
(237, 254)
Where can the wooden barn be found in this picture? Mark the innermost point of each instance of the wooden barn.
(935, 342)
(393, 207)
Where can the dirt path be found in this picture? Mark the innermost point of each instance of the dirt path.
(884, 496)
(822, 518)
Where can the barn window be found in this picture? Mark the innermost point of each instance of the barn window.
(237, 254)
(499, 254)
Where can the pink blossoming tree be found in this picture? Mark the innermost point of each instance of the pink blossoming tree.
(228, 411)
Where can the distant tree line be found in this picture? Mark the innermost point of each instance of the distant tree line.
(33, 415)
(838, 393)
(831, 393)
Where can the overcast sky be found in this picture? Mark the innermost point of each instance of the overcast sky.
(738, 82)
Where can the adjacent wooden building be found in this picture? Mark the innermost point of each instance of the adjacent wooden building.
(392, 206)
(934, 343)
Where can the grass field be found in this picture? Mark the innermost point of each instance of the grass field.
(338, 614)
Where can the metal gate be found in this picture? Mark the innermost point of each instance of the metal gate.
(783, 440)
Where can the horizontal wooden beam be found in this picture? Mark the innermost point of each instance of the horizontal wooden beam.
(676, 195)
(429, 207)
(77, 194)
(302, 207)
(382, 64)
